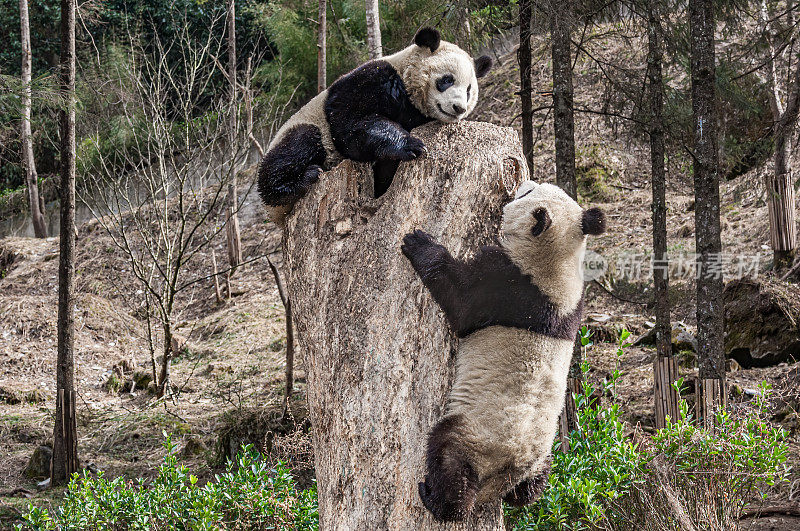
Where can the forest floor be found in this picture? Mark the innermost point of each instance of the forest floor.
(229, 376)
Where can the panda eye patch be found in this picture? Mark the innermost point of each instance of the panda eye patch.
(445, 82)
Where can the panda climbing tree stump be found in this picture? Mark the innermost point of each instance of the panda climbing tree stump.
(377, 350)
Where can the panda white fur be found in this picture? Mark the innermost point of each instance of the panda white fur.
(516, 309)
(366, 115)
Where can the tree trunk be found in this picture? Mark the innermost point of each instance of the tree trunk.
(568, 419)
(711, 358)
(779, 185)
(563, 116)
(287, 306)
(65, 431)
(526, 89)
(374, 29)
(162, 385)
(562, 14)
(665, 366)
(289, 373)
(34, 200)
(232, 230)
(377, 350)
(322, 54)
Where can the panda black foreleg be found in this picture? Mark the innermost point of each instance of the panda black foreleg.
(378, 138)
(439, 271)
(529, 489)
(292, 166)
(451, 483)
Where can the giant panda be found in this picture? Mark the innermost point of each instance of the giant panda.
(366, 116)
(516, 309)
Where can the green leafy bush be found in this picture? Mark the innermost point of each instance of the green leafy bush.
(686, 472)
(706, 476)
(248, 495)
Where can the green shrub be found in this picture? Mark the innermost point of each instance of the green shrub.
(706, 476)
(686, 471)
(248, 495)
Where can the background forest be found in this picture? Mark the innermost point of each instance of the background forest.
(190, 400)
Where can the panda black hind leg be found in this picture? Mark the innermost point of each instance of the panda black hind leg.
(529, 489)
(291, 166)
(451, 484)
(384, 171)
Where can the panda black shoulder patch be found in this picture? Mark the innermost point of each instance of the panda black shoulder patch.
(486, 291)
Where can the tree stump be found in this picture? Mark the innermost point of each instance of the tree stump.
(377, 350)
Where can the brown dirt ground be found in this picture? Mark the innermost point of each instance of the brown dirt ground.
(235, 352)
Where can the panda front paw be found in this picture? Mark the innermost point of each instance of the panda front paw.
(311, 175)
(416, 241)
(413, 149)
(445, 507)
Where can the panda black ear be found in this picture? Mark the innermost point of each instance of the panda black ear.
(428, 38)
(543, 221)
(482, 65)
(593, 222)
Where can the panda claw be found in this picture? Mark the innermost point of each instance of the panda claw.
(414, 149)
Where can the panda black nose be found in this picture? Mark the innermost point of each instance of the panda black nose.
(458, 109)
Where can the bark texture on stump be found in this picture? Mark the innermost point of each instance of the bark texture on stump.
(377, 349)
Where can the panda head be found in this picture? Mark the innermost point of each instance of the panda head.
(442, 79)
(545, 230)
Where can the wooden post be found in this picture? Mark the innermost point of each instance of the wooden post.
(378, 353)
(711, 396)
(665, 372)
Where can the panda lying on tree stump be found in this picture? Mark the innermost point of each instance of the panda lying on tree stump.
(516, 308)
(366, 116)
